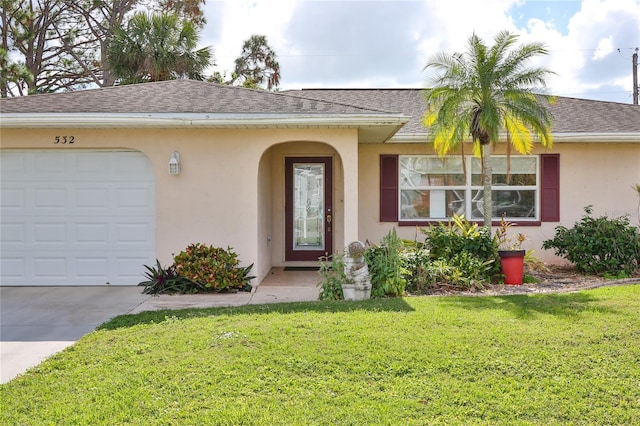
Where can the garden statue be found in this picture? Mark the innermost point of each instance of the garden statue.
(357, 272)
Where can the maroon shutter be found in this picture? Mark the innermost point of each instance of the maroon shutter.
(550, 187)
(388, 188)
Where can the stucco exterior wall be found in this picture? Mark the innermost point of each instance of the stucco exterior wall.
(230, 189)
(597, 174)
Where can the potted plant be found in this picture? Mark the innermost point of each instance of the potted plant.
(511, 253)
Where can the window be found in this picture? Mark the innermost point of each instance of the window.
(431, 188)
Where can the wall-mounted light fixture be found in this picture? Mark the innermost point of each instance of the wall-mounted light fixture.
(174, 163)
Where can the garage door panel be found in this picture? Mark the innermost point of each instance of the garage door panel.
(93, 268)
(13, 164)
(76, 218)
(90, 165)
(13, 267)
(50, 233)
(91, 198)
(54, 269)
(129, 267)
(132, 198)
(52, 165)
(50, 198)
(13, 199)
(133, 233)
(91, 233)
(12, 232)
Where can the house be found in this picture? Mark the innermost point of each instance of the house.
(97, 183)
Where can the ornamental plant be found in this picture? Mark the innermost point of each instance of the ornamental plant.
(331, 276)
(166, 280)
(466, 249)
(215, 268)
(599, 245)
(387, 266)
(504, 241)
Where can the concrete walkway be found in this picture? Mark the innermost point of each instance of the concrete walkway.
(37, 322)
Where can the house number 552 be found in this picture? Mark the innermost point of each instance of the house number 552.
(64, 140)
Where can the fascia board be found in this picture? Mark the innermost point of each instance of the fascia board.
(613, 137)
(623, 137)
(409, 138)
(98, 120)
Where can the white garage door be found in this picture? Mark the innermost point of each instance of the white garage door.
(76, 217)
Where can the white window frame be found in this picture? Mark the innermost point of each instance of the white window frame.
(468, 188)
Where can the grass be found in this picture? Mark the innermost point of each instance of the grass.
(546, 359)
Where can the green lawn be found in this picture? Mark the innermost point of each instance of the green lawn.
(547, 359)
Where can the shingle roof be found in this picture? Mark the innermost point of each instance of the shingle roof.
(410, 102)
(571, 115)
(188, 96)
(586, 116)
(177, 96)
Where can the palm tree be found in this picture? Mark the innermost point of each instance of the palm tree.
(483, 92)
(157, 47)
(636, 188)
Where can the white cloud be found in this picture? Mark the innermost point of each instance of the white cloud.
(236, 21)
(385, 43)
(605, 47)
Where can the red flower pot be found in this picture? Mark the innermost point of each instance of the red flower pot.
(512, 266)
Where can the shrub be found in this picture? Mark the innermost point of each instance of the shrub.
(331, 276)
(463, 271)
(599, 245)
(468, 251)
(167, 280)
(216, 269)
(416, 261)
(386, 266)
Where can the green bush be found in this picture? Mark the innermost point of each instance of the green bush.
(216, 269)
(386, 266)
(447, 240)
(332, 276)
(469, 271)
(416, 261)
(599, 245)
(465, 254)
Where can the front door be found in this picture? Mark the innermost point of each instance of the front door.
(309, 207)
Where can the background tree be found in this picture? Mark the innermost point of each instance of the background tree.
(12, 73)
(100, 18)
(190, 10)
(51, 45)
(34, 32)
(157, 47)
(256, 65)
(484, 91)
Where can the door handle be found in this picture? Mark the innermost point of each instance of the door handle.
(328, 218)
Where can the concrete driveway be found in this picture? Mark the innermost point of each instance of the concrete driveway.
(37, 322)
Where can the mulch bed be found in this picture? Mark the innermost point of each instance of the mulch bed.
(552, 279)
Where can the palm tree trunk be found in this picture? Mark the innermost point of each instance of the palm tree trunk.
(486, 181)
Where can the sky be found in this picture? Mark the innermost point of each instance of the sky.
(386, 43)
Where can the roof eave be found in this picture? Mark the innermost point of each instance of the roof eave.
(372, 128)
(583, 137)
(213, 120)
(601, 137)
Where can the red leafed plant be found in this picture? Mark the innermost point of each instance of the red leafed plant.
(215, 268)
